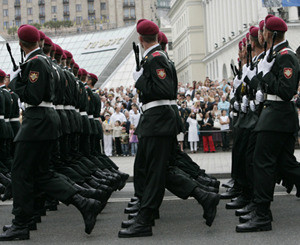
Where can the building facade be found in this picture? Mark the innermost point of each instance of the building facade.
(217, 27)
(103, 14)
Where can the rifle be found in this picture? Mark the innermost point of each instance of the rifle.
(233, 71)
(240, 70)
(249, 50)
(22, 55)
(248, 55)
(270, 57)
(136, 51)
(12, 58)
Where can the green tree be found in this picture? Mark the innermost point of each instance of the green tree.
(12, 30)
(37, 25)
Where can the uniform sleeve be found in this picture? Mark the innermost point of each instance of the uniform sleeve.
(156, 83)
(284, 84)
(32, 85)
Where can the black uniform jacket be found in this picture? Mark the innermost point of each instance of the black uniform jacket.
(282, 80)
(156, 83)
(33, 87)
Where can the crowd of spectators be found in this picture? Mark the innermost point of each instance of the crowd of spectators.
(203, 106)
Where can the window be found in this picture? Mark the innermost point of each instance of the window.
(132, 12)
(42, 21)
(103, 6)
(29, 1)
(54, 19)
(29, 11)
(18, 11)
(5, 1)
(66, 18)
(170, 44)
(91, 6)
(18, 22)
(66, 8)
(78, 20)
(78, 7)
(126, 12)
(132, 2)
(6, 24)
(42, 10)
(30, 21)
(53, 9)
(5, 12)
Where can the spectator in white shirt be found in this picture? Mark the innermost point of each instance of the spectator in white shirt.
(135, 115)
(107, 109)
(118, 116)
(224, 121)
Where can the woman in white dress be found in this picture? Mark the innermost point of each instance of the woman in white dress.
(193, 136)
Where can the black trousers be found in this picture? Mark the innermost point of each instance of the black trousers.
(118, 146)
(237, 134)
(157, 152)
(31, 168)
(274, 151)
(225, 140)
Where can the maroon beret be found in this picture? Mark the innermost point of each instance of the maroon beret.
(2, 73)
(240, 45)
(59, 50)
(274, 23)
(254, 31)
(261, 25)
(76, 66)
(79, 72)
(53, 47)
(84, 72)
(162, 38)
(63, 57)
(244, 41)
(48, 41)
(147, 27)
(247, 36)
(28, 33)
(93, 76)
(68, 54)
(72, 61)
(42, 35)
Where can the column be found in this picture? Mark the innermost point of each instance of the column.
(293, 14)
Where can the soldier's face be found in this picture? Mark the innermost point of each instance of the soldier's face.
(261, 38)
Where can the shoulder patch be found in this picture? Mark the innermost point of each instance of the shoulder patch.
(284, 52)
(35, 57)
(156, 54)
(33, 76)
(288, 72)
(161, 73)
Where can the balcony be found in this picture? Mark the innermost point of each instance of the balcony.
(128, 4)
(66, 13)
(129, 18)
(91, 12)
(65, 1)
(17, 4)
(42, 15)
(41, 2)
(18, 17)
(90, 1)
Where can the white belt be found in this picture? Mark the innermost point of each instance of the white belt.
(77, 110)
(69, 107)
(272, 97)
(91, 117)
(43, 104)
(1, 117)
(59, 107)
(96, 118)
(6, 119)
(155, 104)
(83, 113)
(16, 119)
(173, 102)
(235, 114)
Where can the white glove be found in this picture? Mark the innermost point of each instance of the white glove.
(236, 82)
(236, 105)
(245, 100)
(244, 108)
(245, 71)
(265, 66)
(14, 74)
(231, 114)
(137, 74)
(251, 73)
(259, 96)
(252, 105)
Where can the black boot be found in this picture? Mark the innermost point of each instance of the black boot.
(229, 184)
(132, 209)
(7, 193)
(4, 180)
(89, 208)
(261, 220)
(131, 216)
(51, 205)
(208, 188)
(240, 202)
(209, 202)
(2, 189)
(127, 223)
(231, 193)
(245, 210)
(130, 204)
(208, 182)
(245, 218)
(31, 225)
(15, 232)
(92, 193)
(141, 226)
(133, 199)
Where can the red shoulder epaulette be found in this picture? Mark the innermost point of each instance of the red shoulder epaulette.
(156, 54)
(35, 57)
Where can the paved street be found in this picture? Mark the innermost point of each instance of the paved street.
(181, 222)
